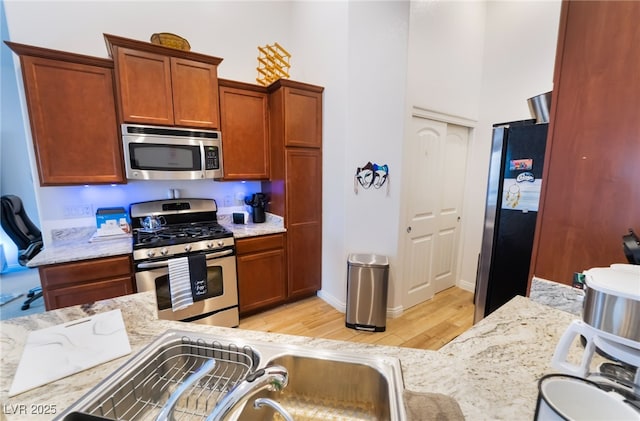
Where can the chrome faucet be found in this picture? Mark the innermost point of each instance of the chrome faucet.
(260, 402)
(273, 378)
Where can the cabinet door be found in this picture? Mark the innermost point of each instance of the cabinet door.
(73, 122)
(85, 281)
(87, 293)
(261, 280)
(304, 220)
(195, 93)
(245, 134)
(591, 193)
(303, 118)
(144, 87)
(261, 272)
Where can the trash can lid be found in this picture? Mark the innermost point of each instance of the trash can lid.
(368, 260)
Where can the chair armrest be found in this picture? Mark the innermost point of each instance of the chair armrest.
(29, 253)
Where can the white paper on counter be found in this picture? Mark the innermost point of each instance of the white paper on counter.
(59, 351)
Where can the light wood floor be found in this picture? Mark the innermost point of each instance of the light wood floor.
(429, 325)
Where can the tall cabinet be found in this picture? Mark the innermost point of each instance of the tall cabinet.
(591, 193)
(295, 187)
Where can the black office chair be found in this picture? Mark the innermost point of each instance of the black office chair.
(25, 234)
(631, 246)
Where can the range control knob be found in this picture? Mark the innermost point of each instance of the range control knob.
(164, 251)
(151, 253)
(209, 245)
(220, 243)
(188, 247)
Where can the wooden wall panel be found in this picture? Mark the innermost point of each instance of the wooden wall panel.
(592, 174)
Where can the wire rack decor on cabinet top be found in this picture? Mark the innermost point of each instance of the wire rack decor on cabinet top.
(273, 64)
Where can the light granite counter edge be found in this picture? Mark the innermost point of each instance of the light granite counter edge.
(73, 244)
(491, 370)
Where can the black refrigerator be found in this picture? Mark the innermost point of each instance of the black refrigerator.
(513, 196)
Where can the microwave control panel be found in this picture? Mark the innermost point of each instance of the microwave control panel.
(211, 158)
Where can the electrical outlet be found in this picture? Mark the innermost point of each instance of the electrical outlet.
(78, 211)
(227, 201)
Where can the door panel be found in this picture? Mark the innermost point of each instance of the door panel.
(144, 86)
(195, 93)
(453, 171)
(437, 169)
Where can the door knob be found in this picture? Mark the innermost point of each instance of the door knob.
(408, 229)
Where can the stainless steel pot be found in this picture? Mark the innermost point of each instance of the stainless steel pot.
(612, 300)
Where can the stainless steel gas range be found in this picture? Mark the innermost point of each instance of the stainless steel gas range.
(177, 228)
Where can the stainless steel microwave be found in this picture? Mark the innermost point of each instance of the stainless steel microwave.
(171, 153)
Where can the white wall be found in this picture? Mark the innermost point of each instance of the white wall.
(446, 55)
(321, 41)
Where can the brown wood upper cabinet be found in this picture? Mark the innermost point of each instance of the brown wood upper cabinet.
(70, 99)
(245, 130)
(301, 114)
(165, 86)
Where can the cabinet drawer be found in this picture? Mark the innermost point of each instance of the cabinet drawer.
(254, 244)
(87, 293)
(85, 271)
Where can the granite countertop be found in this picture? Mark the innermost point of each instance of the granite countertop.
(73, 244)
(491, 370)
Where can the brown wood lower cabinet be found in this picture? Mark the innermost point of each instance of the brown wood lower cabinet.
(86, 281)
(261, 272)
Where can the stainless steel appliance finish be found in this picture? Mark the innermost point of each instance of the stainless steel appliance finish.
(167, 153)
(191, 228)
(539, 106)
(367, 290)
(143, 387)
(322, 384)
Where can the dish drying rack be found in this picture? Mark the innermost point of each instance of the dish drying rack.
(142, 394)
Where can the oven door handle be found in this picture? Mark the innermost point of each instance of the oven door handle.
(164, 263)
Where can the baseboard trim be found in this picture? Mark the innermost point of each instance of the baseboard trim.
(466, 285)
(341, 306)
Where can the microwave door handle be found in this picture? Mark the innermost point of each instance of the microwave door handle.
(203, 160)
(164, 263)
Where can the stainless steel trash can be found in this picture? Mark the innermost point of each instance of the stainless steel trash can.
(367, 288)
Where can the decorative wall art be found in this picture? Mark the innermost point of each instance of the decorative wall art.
(371, 175)
(273, 64)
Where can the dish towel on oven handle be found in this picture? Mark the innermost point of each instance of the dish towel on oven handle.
(198, 276)
(180, 283)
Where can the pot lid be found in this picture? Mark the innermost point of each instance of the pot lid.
(619, 279)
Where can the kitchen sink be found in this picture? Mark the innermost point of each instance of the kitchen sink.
(322, 384)
(323, 388)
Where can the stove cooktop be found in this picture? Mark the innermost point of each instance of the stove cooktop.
(179, 234)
